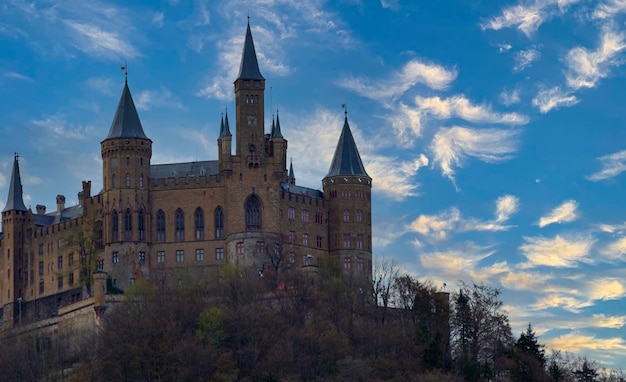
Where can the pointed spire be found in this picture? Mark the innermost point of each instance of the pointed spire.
(225, 130)
(15, 202)
(273, 128)
(291, 177)
(276, 133)
(346, 160)
(249, 69)
(126, 123)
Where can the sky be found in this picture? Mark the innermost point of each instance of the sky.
(492, 130)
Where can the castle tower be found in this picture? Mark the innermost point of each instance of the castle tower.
(250, 104)
(126, 154)
(14, 217)
(224, 147)
(347, 190)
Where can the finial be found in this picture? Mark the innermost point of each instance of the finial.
(248, 16)
(125, 70)
(16, 155)
(345, 109)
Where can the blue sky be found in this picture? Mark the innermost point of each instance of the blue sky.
(494, 131)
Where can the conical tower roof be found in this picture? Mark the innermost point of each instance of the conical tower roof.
(276, 133)
(346, 160)
(225, 128)
(126, 123)
(249, 69)
(291, 175)
(15, 202)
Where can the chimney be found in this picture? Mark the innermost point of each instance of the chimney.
(60, 203)
(80, 198)
(41, 209)
(87, 189)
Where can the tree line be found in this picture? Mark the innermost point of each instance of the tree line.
(299, 326)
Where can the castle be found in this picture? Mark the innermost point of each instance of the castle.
(164, 222)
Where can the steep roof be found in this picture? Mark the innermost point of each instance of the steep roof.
(126, 123)
(249, 69)
(15, 202)
(291, 175)
(224, 128)
(177, 170)
(276, 133)
(346, 160)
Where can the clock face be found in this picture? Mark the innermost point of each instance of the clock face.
(251, 121)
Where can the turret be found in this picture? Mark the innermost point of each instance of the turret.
(14, 216)
(224, 146)
(250, 104)
(347, 189)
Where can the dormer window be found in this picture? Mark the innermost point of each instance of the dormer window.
(174, 173)
(203, 171)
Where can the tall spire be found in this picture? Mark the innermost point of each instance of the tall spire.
(224, 128)
(15, 201)
(291, 177)
(126, 123)
(276, 133)
(249, 69)
(346, 160)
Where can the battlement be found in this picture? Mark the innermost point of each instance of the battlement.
(186, 182)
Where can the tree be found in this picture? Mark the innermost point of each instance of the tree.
(86, 239)
(586, 372)
(385, 275)
(529, 358)
(481, 331)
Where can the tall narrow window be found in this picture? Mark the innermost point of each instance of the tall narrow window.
(128, 225)
(141, 225)
(219, 223)
(180, 225)
(115, 226)
(199, 224)
(253, 214)
(114, 181)
(160, 225)
(127, 180)
(141, 181)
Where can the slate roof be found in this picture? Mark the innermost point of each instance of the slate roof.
(126, 123)
(249, 69)
(177, 170)
(276, 133)
(225, 128)
(301, 190)
(15, 202)
(291, 175)
(346, 160)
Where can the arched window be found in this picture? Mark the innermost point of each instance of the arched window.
(199, 224)
(179, 225)
(219, 223)
(114, 181)
(128, 225)
(141, 181)
(115, 226)
(160, 225)
(253, 214)
(127, 180)
(141, 225)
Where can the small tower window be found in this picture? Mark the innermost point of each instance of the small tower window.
(141, 225)
(127, 180)
(115, 225)
(114, 181)
(141, 181)
(180, 225)
(128, 225)
(127, 158)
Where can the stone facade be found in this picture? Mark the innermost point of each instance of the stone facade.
(169, 221)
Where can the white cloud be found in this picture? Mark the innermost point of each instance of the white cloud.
(18, 76)
(406, 121)
(160, 98)
(609, 9)
(524, 59)
(92, 39)
(576, 342)
(615, 250)
(506, 206)
(393, 177)
(564, 213)
(415, 71)
(585, 68)
(558, 252)
(391, 4)
(509, 98)
(524, 281)
(104, 85)
(158, 18)
(553, 98)
(451, 146)
(502, 48)
(612, 165)
(528, 17)
(436, 226)
(459, 106)
(61, 129)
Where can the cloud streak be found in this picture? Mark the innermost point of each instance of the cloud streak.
(564, 213)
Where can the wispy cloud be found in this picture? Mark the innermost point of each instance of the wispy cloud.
(103, 85)
(585, 68)
(615, 250)
(612, 165)
(608, 9)
(577, 342)
(509, 98)
(59, 128)
(553, 98)
(506, 206)
(558, 252)
(529, 16)
(94, 40)
(460, 107)
(414, 72)
(436, 226)
(525, 58)
(451, 146)
(564, 213)
(162, 98)
(17, 76)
